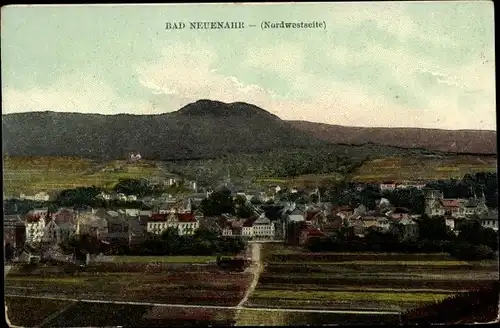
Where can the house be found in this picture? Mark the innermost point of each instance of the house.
(104, 196)
(89, 222)
(490, 220)
(387, 186)
(344, 211)
(121, 197)
(410, 184)
(132, 212)
(308, 233)
(296, 215)
(263, 228)
(35, 228)
(405, 229)
(449, 222)
(131, 198)
(383, 224)
(331, 224)
(39, 197)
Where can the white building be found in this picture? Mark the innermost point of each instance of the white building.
(121, 197)
(490, 220)
(247, 229)
(450, 223)
(131, 198)
(263, 228)
(104, 196)
(185, 223)
(389, 186)
(40, 197)
(35, 228)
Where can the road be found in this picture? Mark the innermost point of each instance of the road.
(256, 268)
(206, 306)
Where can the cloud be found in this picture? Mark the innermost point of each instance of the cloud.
(74, 93)
(185, 72)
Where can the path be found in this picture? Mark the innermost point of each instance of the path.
(256, 268)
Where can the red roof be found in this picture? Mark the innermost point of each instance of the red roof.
(186, 217)
(158, 217)
(344, 208)
(450, 202)
(33, 218)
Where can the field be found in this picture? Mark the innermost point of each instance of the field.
(364, 281)
(35, 174)
(163, 259)
(300, 181)
(159, 286)
(253, 317)
(422, 168)
(52, 313)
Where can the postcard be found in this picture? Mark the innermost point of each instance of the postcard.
(245, 164)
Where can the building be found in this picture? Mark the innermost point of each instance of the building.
(14, 232)
(405, 229)
(263, 228)
(104, 196)
(293, 232)
(437, 205)
(490, 220)
(39, 197)
(35, 228)
(185, 223)
(296, 215)
(247, 227)
(309, 232)
(387, 186)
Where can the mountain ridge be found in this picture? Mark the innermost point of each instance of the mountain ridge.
(451, 141)
(207, 129)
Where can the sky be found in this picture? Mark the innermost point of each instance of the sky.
(387, 64)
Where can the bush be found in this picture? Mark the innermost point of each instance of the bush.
(469, 252)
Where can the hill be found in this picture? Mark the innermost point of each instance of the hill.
(451, 141)
(204, 129)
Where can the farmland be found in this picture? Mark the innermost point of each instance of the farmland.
(57, 313)
(425, 168)
(368, 281)
(173, 287)
(162, 259)
(34, 174)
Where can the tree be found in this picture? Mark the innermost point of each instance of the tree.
(433, 229)
(78, 197)
(218, 202)
(138, 187)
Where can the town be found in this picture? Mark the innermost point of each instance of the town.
(123, 222)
